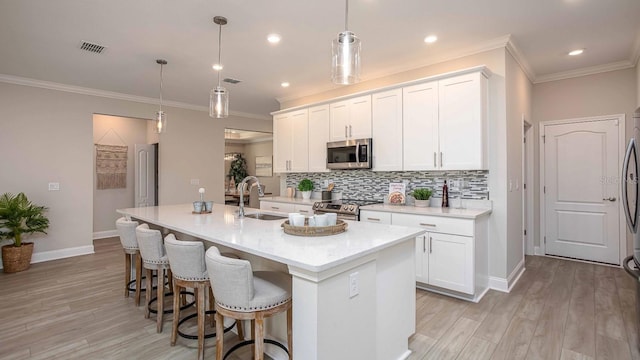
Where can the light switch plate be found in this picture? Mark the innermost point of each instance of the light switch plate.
(354, 288)
(195, 181)
(54, 186)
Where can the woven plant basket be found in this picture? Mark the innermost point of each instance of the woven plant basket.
(16, 259)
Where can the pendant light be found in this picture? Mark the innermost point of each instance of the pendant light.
(161, 117)
(345, 59)
(219, 97)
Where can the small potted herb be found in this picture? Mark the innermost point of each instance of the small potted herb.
(306, 186)
(422, 196)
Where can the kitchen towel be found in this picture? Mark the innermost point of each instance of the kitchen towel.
(111, 166)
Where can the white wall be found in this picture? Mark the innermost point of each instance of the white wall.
(264, 148)
(518, 93)
(115, 130)
(47, 135)
(613, 92)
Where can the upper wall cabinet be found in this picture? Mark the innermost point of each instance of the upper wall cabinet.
(387, 130)
(291, 142)
(318, 138)
(350, 119)
(444, 124)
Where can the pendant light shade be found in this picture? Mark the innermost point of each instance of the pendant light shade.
(219, 97)
(161, 117)
(345, 55)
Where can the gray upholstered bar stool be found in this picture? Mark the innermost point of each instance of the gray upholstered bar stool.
(243, 294)
(154, 258)
(189, 271)
(127, 232)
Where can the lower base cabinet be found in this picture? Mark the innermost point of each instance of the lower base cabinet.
(451, 262)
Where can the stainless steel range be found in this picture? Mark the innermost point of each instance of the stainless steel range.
(346, 209)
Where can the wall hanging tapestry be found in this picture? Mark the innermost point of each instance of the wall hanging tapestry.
(111, 166)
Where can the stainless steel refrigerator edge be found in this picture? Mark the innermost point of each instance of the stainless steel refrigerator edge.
(630, 197)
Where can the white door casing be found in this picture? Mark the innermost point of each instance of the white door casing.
(144, 188)
(580, 200)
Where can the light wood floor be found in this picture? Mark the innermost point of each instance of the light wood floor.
(74, 309)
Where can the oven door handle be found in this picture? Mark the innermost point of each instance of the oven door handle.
(358, 153)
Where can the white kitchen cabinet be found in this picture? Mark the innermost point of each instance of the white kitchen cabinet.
(420, 126)
(375, 217)
(291, 142)
(452, 254)
(387, 130)
(318, 138)
(444, 124)
(462, 122)
(277, 206)
(350, 119)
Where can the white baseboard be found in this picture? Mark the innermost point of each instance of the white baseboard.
(538, 251)
(104, 234)
(59, 254)
(505, 285)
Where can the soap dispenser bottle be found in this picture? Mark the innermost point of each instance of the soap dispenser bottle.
(445, 195)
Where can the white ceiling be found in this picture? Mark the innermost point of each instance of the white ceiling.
(39, 39)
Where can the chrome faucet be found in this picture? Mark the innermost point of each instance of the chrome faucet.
(241, 189)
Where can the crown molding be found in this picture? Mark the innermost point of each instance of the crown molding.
(18, 80)
(620, 65)
(514, 50)
(489, 45)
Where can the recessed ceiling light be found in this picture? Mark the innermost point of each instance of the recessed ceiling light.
(217, 67)
(576, 52)
(430, 39)
(285, 84)
(273, 38)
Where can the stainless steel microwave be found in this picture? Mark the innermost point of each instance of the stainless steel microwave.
(349, 154)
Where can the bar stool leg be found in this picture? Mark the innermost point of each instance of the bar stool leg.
(127, 273)
(201, 306)
(147, 294)
(239, 326)
(289, 332)
(138, 277)
(219, 336)
(259, 337)
(160, 302)
(212, 318)
(176, 313)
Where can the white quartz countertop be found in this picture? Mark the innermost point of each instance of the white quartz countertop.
(266, 238)
(431, 211)
(288, 200)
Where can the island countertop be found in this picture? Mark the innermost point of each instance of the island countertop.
(266, 238)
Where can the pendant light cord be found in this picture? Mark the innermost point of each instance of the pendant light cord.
(346, 17)
(161, 65)
(219, 51)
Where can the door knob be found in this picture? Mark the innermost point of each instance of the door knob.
(609, 199)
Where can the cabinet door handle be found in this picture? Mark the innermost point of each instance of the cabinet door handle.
(440, 159)
(373, 219)
(424, 243)
(350, 133)
(304, 211)
(435, 164)
(431, 225)
(345, 131)
(430, 244)
(275, 208)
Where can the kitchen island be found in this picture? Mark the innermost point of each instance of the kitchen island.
(353, 293)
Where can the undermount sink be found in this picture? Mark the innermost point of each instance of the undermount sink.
(260, 216)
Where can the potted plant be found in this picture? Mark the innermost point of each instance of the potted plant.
(238, 169)
(18, 217)
(422, 196)
(306, 186)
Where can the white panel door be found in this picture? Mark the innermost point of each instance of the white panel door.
(145, 186)
(420, 126)
(461, 122)
(300, 141)
(360, 117)
(581, 196)
(451, 262)
(387, 130)
(318, 138)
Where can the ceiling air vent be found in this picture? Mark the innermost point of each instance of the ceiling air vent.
(91, 47)
(231, 81)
